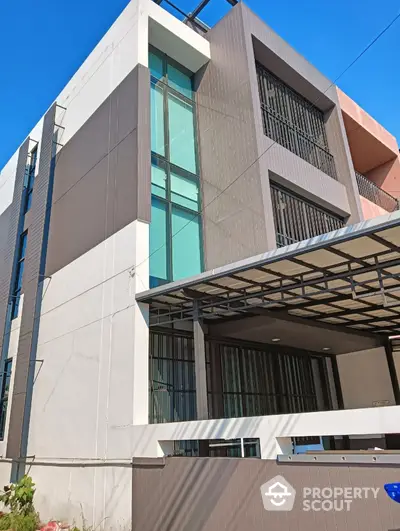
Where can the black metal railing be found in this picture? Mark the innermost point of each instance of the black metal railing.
(297, 219)
(293, 122)
(297, 142)
(372, 192)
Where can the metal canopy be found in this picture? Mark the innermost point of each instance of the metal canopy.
(349, 277)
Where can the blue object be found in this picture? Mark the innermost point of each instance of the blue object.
(393, 491)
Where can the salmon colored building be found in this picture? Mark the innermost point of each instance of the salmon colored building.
(376, 160)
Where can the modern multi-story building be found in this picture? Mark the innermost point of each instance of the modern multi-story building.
(166, 274)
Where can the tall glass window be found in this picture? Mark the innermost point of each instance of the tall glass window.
(175, 230)
(16, 294)
(243, 379)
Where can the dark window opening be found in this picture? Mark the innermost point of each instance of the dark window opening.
(297, 219)
(19, 272)
(218, 448)
(293, 122)
(30, 179)
(243, 379)
(4, 396)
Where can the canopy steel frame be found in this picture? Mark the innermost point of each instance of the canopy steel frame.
(342, 285)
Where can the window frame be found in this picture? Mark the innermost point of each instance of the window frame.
(6, 376)
(163, 161)
(31, 179)
(166, 89)
(17, 287)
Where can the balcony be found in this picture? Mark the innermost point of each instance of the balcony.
(293, 122)
(297, 219)
(373, 193)
(296, 141)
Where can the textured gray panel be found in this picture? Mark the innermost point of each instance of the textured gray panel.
(4, 229)
(215, 494)
(101, 183)
(24, 367)
(235, 223)
(341, 196)
(8, 256)
(294, 172)
(240, 222)
(143, 145)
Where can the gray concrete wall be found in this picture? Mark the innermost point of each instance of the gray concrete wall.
(11, 240)
(207, 494)
(365, 378)
(102, 175)
(234, 222)
(24, 366)
(295, 332)
(276, 161)
(4, 227)
(235, 152)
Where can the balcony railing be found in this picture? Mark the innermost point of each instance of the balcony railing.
(294, 122)
(372, 192)
(290, 137)
(297, 219)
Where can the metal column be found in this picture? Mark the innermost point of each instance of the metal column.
(200, 365)
(338, 386)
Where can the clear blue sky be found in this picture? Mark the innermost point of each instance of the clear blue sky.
(43, 42)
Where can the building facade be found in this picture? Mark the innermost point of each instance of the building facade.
(171, 152)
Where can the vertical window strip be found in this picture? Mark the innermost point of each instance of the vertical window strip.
(6, 377)
(30, 179)
(19, 271)
(175, 179)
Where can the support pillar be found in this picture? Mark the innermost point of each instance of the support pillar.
(200, 364)
(339, 397)
(336, 378)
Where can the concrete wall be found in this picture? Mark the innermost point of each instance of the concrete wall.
(367, 122)
(294, 332)
(274, 431)
(235, 222)
(396, 358)
(371, 210)
(237, 156)
(93, 347)
(301, 76)
(365, 378)
(209, 494)
(90, 363)
(102, 175)
(93, 336)
(4, 225)
(387, 176)
(374, 151)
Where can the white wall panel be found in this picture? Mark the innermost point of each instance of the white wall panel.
(365, 378)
